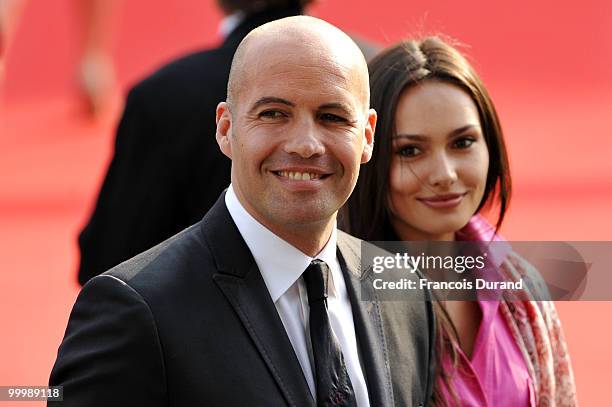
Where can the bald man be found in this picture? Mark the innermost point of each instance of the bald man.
(257, 304)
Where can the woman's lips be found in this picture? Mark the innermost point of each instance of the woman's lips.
(443, 201)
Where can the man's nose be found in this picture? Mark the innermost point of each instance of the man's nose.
(304, 140)
(443, 171)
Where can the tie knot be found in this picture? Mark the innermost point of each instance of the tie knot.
(315, 277)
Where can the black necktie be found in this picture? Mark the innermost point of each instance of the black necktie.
(331, 377)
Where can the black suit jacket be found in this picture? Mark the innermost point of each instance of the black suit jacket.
(190, 323)
(167, 169)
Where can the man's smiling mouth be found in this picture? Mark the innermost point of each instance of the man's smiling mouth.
(300, 176)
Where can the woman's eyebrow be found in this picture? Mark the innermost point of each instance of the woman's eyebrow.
(421, 137)
(415, 137)
(462, 129)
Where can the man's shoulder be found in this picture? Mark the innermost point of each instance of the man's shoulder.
(190, 255)
(165, 261)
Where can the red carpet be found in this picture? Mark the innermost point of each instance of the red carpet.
(547, 66)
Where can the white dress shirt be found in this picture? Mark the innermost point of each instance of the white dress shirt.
(281, 266)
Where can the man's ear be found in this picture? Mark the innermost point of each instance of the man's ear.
(224, 128)
(369, 130)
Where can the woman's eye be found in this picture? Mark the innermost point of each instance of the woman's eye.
(464, 142)
(409, 151)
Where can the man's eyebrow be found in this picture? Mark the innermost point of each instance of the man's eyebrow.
(340, 106)
(420, 137)
(270, 99)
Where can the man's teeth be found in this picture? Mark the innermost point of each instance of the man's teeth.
(299, 176)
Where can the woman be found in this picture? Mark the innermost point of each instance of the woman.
(438, 160)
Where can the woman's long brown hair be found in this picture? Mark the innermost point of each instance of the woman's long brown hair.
(366, 214)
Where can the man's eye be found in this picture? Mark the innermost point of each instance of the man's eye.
(271, 114)
(464, 142)
(329, 117)
(409, 151)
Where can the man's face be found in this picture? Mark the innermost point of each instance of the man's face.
(297, 132)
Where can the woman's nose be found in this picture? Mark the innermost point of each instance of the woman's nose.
(443, 171)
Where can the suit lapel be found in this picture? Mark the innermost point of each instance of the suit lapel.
(242, 284)
(368, 323)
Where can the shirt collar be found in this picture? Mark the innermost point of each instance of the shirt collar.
(280, 263)
(479, 229)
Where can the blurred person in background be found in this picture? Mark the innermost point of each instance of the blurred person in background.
(166, 171)
(10, 13)
(439, 158)
(97, 78)
(95, 75)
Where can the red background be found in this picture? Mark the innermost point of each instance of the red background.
(548, 66)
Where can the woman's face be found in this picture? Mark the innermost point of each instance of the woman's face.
(439, 164)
